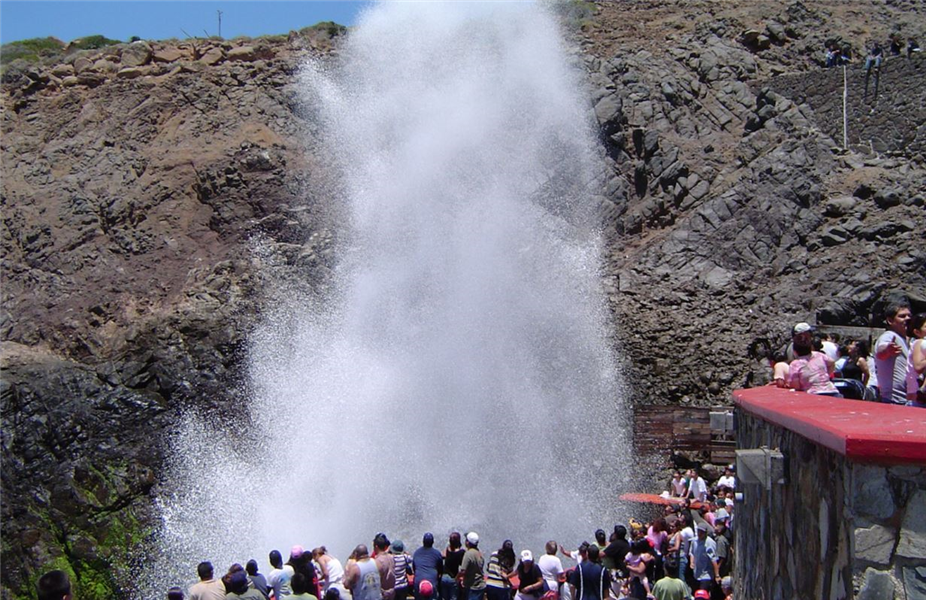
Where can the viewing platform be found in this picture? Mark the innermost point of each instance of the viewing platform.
(833, 497)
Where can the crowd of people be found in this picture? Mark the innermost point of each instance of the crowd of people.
(892, 372)
(841, 54)
(685, 553)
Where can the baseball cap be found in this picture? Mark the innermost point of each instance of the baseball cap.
(729, 502)
(425, 589)
(526, 556)
(703, 594)
(801, 328)
(721, 515)
(472, 537)
(428, 538)
(398, 546)
(296, 551)
(702, 527)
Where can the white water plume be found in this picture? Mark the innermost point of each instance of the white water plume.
(460, 376)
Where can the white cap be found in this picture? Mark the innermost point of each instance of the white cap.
(526, 556)
(729, 502)
(801, 328)
(472, 537)
(721, 515)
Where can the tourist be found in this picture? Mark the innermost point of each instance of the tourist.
(722, 542)
(54, 585)
(615, 554)
(726, 585)
(385, 562)
(530, 578)
(425, 590)
(679, 485)
(671, 587)
(578, 554)
(912, 46)
(208, 588)
(810, 369)
(453, 557)
(470, 576)
(703, 559)
(637, 561)
(428, 565)
(332, 572)
(403, 568)
(301, 562)
(552, 567)
(497, 584)
(891, 352)
(362, 576)
(657, 534)
(300, 588)
(590, 580)
(697, 487)
(256, 580)
(680, 544)
(874, 57)
(239, 588)
(780, 369)
(916, 364)
(829, 347)
(226, 579)
(727, 480)
(173, 593)
(280, 576)
(855, 365)
(601, 540)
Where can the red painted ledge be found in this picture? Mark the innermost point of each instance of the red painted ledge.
(868, 432)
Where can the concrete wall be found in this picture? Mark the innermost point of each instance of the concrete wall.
(835, 530)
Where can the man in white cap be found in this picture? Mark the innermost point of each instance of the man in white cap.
(471, 569)
(530, 579)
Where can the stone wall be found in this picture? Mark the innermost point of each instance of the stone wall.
(889, 122)
(836, 529)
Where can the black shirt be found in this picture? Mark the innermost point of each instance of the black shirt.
(452, 561)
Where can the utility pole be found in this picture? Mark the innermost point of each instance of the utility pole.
(219, 13)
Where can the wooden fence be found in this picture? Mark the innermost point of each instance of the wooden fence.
(660, 429)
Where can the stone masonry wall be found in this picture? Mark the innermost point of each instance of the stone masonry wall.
(835, 530)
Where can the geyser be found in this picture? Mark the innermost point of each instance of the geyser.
(460, 375)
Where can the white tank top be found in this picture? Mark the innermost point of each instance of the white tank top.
(335, 573)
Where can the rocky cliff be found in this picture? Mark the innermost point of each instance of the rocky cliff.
(155, 195)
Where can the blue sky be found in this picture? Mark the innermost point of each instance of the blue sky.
(121, 19)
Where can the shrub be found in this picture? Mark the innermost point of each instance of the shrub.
(330, 27)
(92, 42)
(31, 50)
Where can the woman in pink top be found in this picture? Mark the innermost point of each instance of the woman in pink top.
(657, 535)
(810, 370)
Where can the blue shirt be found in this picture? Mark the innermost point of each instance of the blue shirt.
(428, 562)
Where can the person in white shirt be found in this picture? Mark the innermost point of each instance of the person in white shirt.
(728, 480)
(697, 487)
(679, 485)
(551, 567)
(892, 351)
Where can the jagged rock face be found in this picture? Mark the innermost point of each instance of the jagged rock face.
(732, 211)
(139, 180)
(131, 211)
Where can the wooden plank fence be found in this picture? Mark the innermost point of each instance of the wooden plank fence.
(659, 429)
